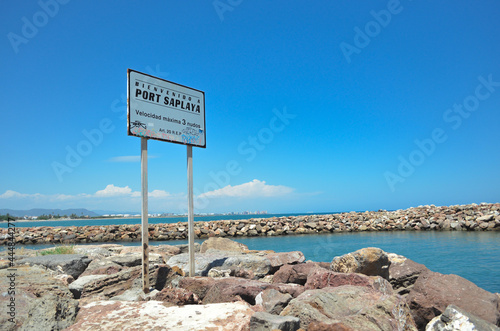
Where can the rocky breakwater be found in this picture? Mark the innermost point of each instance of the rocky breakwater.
(483, 217)
(99, 288)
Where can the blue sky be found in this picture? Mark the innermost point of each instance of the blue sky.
(317, 107)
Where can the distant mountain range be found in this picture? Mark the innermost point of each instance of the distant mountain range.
(41, 211)
(111, 212)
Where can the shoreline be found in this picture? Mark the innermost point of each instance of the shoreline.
(260, 289)
(473, 217)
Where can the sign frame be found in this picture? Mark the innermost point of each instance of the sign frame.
(174, 113)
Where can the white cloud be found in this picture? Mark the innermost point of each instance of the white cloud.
(12, 194)
(113, 197)
(113, 191)
(253, 189)
(158, 194)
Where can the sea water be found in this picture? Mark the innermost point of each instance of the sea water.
(472, 255)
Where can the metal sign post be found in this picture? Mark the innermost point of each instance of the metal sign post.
(144, 216)
(190, 209)
(165, 111)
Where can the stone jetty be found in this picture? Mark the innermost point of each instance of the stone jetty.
(99, 287)
(472, 217)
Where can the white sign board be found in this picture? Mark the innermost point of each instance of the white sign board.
(159, 109)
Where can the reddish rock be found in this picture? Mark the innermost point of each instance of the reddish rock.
(355, 307)
(197, 285)
(244, 273)
(293, 289)
(324, 278)
(234, 289)
(321, 326)
(231, 289)
(433, 292)
(296, 274)
(177, 296)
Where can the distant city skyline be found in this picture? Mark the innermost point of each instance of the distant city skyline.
(310, 107)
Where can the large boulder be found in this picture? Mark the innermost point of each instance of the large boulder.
(34, 286)
(273, 301)
(157, 315)
(259, 265)
(223, 244)
(262, 321)
(456, 319)
(369, 261)
(81, 283)
(433, 292)
(115, 284)
(296, 273)
(403, 273)
(234, 289)
(71, 264)
(355, 307)
(325, 278)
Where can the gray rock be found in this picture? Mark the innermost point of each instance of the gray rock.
(102, 267)
(259, 265)
(456, 319)
(203, 262)
(51, 312)
(127, 260)
(369, 261)
(108, 286)
(262, 321)
(78, 285)
(272, 300)
(71, 264)
(218, 272)
(486, 218)
(134, 294)
(32, 283)
(403, 273)
(93, 251)
(223, 244)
